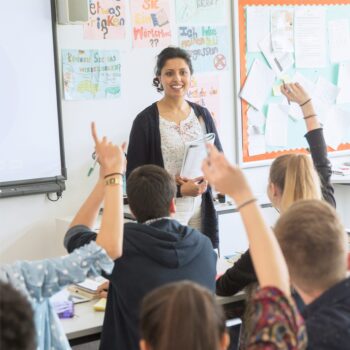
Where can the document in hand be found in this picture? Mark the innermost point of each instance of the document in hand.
(195, 152)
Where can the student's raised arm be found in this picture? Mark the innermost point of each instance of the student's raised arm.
(269, 263)
(109, 189)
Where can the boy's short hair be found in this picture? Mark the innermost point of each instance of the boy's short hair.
(17, 329)
(314, 244)
(150, 190)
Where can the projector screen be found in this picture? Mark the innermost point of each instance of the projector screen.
(31, 140)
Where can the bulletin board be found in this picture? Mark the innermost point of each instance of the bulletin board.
(335, 9)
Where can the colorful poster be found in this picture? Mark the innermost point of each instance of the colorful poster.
(150, 23)
(200, 11)
(106, 20)
(207, 45)
(91, 74)
(205, 91)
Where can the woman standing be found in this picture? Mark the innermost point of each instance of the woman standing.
(159, 134)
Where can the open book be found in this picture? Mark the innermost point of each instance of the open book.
(195, 152)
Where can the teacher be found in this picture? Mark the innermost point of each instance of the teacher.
(159, 134)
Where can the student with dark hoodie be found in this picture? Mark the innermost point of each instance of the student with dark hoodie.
(156, 250)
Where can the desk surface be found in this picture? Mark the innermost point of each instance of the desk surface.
(86, 321)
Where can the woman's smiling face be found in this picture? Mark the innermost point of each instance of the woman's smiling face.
(175, 77)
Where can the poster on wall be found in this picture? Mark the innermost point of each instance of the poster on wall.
(207, 45)
(106, 20)
(200, 11)
(205, 91)
(150, 23)
(91, 74)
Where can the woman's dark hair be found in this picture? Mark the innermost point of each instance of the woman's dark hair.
(182, 315)
(167, 54)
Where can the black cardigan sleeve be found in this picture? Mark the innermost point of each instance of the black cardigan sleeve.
(321, 162)
(237, 277)
(77, 236)
(138, 153)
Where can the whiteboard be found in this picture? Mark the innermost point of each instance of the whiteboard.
(31, 142)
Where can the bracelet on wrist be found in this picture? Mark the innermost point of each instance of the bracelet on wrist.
(304, 103)
(112, 174)
(113, 181)
(248, 201)
(310, 116)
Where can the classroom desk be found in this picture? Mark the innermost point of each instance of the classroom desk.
(88, 323)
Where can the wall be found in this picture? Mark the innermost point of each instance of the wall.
(28, 224)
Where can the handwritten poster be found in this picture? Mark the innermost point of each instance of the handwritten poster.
(150, 23)
(106, 20)
(91, 74)
(205, 91)
(207, 45)
(200, 11)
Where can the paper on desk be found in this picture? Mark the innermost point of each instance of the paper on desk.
(258, 84)
(280, 62)
(282, 37)
(339, 40)
(335, 126)
(310, 37)
(276, 125)
(344, 83)
(194, 154)
(256, 141)
(258, 26)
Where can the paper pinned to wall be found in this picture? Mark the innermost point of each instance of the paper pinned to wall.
(344, 83)
(150, 23)
(91, 74)
(339, 40)
(282, 27)
(106, 20)
(258, 84)
(335, 126)
(280, 62)
(199, 12)
(276, 130)
(258, 26)
(207, 45)
(256, 118)
(326, 91)
(205, 91)
(310, 37)
(256, 142)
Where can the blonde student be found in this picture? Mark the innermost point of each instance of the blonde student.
(39, 280)
(292, 177)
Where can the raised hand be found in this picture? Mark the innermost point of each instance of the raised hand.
(294, 92)
(225, 178)
(110, 157)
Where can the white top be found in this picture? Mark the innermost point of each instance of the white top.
(173, 138)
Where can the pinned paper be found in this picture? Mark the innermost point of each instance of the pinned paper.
(199, 12)
(282, 27)
(339, 40)
(280, 62)
(207, 45)
(258, 84)
(335, 126)
(310, 37)
(256, 119)
(106, 20)
(258, 26)
(276, 130)
(256, 142)
(326, 91)
(344, 83)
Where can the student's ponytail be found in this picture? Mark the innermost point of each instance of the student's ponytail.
(296, 177)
